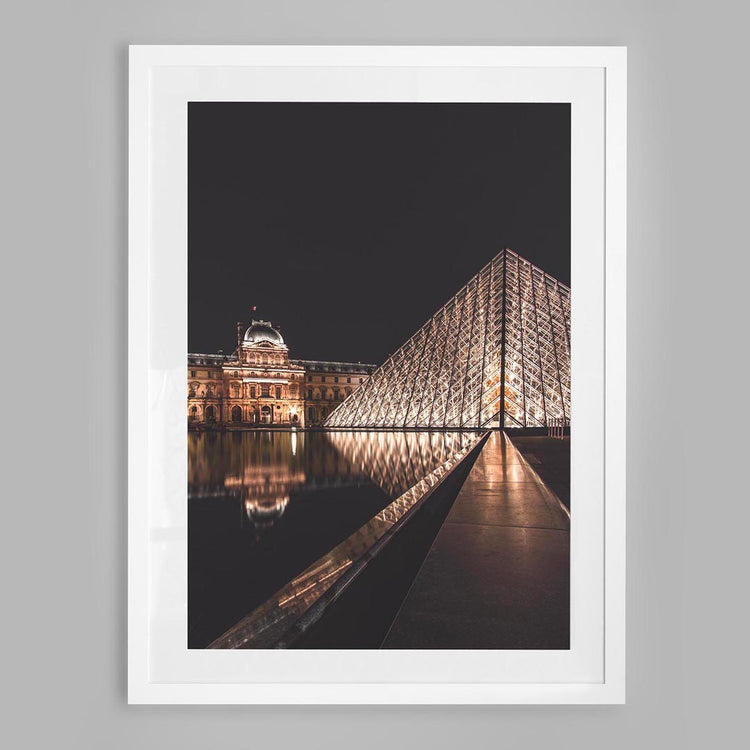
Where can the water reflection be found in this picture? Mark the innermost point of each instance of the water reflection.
(396, 461)
(262, 468)
(275, 518)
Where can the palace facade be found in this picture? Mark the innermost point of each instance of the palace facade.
(260, 385)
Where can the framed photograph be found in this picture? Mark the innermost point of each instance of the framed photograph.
(377, 374)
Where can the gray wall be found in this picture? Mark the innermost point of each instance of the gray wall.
(64, 180)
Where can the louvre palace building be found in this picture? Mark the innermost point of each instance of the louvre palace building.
(259, 385)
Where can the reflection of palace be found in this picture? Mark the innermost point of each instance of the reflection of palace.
(265, 490)
(263, 469)
(259, 385)
(222, 464)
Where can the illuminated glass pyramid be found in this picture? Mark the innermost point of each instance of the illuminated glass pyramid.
(510, 324)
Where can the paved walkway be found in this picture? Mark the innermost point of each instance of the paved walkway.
(497, 575)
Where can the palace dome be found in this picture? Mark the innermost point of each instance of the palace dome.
(261, 330)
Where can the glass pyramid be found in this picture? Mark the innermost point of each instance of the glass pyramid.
(496, 354)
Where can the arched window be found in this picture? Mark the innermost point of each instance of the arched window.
(193, 414)
(236, 414)
(210, 414)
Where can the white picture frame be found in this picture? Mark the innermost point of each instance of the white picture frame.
(162, 80)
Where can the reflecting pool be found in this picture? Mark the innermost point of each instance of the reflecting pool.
(274, 516)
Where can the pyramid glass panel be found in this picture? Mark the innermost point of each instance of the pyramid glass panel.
(496, 354)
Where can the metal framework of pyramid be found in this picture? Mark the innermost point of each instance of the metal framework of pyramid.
(509, 325)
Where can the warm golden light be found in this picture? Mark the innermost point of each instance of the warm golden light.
(509, 324)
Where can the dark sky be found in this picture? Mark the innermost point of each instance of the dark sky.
(350, 224)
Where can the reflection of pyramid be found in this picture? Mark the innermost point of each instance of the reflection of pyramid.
(510, 324)
(397, 461)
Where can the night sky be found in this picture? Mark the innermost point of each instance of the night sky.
(350, 224)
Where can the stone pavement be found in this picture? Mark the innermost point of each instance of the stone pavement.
(498, 574)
